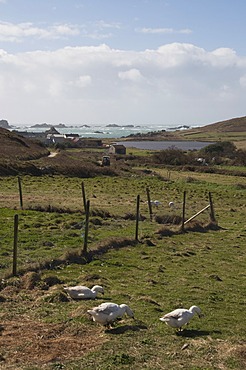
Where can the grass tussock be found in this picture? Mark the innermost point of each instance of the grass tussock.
(51, 209)
(240, 186)
(196, 226)
(104, 214)
(132, 217)
(110, 243)
(192, 226)
(168, 219)
(56, 297)
(166, 231)
(30, 280)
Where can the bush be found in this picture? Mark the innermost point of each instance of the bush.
(223, 149)
(240, 158)
(174, 157)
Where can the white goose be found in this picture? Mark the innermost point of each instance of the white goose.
(171, 205)
(82, 292)
(156, 203)
(180, 316)
(106, 313)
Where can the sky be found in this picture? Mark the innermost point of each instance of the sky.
(140, 62)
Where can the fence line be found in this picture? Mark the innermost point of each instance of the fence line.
(16, 222)
(20, 192)
(137, 217)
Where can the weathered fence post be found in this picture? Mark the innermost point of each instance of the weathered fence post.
(197, 214)
(86, 226)
(83, 195)
(137, 218)
(183, 214)
(16, 219)
(212, 216)
(149, 204)
(20, 192)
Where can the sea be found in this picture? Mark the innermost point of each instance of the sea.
(102, 131)
(117, 132)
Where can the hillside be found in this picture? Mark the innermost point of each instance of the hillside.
(14, 146)
(231, 125)
(20, 155)
(230, 130)
(233, 130)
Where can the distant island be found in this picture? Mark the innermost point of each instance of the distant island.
(46, 125)
(115, 125)
(4, 124)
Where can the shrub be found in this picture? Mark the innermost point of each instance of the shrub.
(223, 148)
(173, 156)
(240, 158)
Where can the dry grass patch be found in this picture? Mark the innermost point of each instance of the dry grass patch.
(27, 342)
(233, 355)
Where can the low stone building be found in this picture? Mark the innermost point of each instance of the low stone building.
(117, 149)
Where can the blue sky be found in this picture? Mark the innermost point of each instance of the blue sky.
(140, 62)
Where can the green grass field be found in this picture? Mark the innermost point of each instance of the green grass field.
(42, 329)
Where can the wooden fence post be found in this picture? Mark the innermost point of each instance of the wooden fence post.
(83, 195)
(212, 216)
(20, 192)
(86, 226)
(197, 214)
(137, 218)
(149, 204)
(183, 214)
(16, 219)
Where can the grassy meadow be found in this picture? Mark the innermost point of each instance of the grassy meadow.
(41, 328)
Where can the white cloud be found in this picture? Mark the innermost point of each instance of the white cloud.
(98, 36)
(102, 25)
(223, 57)
(82, 81)
(17, 32)
(243, 81)
(64, 30)
(130, 75)
(164, 31)
(11, 32)
(175, 83)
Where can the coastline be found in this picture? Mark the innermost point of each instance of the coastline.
(111, 131)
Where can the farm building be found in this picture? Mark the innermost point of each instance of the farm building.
(52, 137)
(117, 149)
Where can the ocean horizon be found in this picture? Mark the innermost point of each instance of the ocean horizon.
(100, 131)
